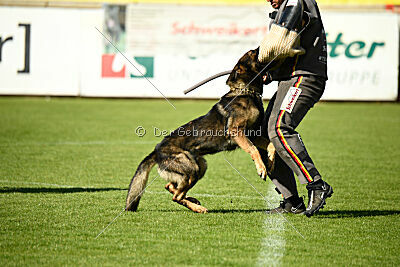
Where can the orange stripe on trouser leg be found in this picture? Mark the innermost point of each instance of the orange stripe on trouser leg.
(287, 147)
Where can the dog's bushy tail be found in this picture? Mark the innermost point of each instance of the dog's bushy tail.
(139, 181)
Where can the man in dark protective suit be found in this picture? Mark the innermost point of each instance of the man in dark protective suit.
(296, 41)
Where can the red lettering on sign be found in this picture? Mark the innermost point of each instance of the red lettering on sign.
(233, 29)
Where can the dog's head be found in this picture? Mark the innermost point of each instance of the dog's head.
(246, 73)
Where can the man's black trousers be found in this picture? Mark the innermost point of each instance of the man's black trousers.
(287, 108)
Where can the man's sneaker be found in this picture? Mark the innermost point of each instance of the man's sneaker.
(286, 206)
(318, 192)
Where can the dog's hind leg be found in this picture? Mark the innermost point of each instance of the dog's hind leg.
(200, 167)
(180, 197)
(187, 184)
(182, 176)
(172, 189)
(189, 202)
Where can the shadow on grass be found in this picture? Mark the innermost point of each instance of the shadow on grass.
(356, 213)
(209, 211)
(236, 211)
(35, 190)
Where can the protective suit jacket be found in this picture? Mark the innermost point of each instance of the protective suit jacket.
(302, 16)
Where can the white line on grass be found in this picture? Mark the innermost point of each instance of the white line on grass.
(273, 244)
(79, 143)
(266, 199)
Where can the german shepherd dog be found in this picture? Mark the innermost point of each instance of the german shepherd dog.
(224, 128)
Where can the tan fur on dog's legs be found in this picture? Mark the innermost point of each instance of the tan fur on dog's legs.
(245, 144)
(180, 194)
(171, 188)
(271, 156)
(181, 189)
(188, 202)
(265, 144)
(193, 207)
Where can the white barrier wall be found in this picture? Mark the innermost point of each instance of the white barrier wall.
(175, 46)
(363, 56)
(42, 49)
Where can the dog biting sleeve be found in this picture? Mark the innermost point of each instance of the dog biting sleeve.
(279, 43)
(283, 40)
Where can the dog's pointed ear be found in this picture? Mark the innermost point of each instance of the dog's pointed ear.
(255, 63)
(254, 53)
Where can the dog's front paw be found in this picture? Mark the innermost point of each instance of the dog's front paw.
(261, 170)
(271, 157)
(271, 152)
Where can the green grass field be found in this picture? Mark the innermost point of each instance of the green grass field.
(65, 165)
